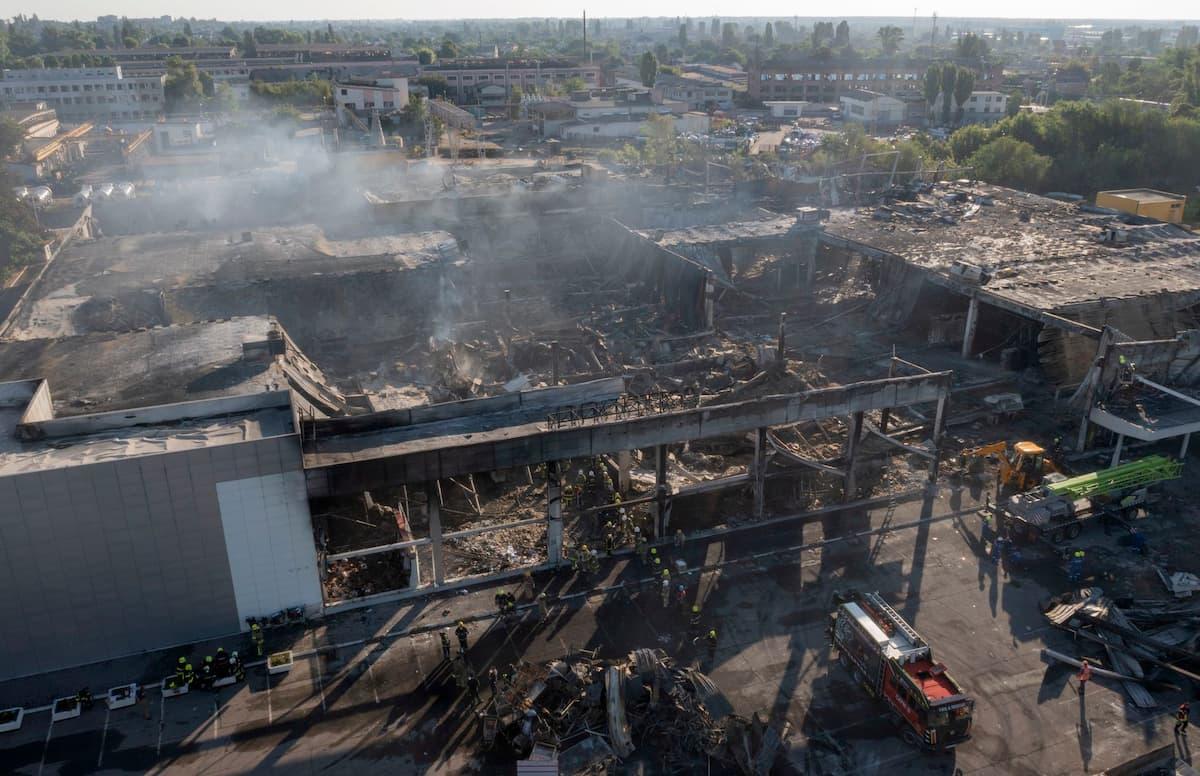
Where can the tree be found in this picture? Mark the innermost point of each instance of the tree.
(515, 95)
(425, 55)
(648, 68)
(415, 111)
(933, 86)
(21, 238)
(1013, 106)
(842, 36)
(249, 47)
(728, 34)
(890, 38)
(949, 76)
(448, 49)
(971, 47)
(964, 84)
(130, 31)
(769, 35)
(822, 32)
(10, 135)
(1011, 162)
(966, 141)
(224, 100)
(660, 145)
(435, 84)
(183, 88)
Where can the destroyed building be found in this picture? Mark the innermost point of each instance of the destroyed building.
(452, 385)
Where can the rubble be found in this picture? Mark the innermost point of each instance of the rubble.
(1147, 645)
(594, 711)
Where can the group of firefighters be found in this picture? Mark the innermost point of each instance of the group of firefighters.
(224, 665)
(464, 677)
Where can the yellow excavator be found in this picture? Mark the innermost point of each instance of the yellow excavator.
(1022, 468)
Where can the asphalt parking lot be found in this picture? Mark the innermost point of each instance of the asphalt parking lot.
(389, 706)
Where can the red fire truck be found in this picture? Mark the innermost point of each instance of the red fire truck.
(890, 660)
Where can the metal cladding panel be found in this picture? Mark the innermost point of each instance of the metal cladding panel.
(268, 531)
(114, 558)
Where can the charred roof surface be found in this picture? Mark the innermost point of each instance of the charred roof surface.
(162, 365)
(1040, 253)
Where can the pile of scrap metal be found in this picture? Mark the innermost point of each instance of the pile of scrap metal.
(1142, 645)
(590, 713)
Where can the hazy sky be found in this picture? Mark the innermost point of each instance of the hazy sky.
(376, 9)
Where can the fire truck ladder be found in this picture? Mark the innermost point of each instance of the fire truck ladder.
(878, 604)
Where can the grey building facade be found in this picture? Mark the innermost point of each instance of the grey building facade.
(134, 530)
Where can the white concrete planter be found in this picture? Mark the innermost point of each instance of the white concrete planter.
(65, 708)
(170, 689)
(279, 662)
(10, 719)
(225, 681)
(121, 697)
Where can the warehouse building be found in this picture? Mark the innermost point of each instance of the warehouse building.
(141, 525)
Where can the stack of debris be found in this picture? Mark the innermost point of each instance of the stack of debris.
(591, 712)
(1143, 645)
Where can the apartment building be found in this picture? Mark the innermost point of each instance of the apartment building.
(81, 93)
(700, 92)
(362, 95)
(466, 77)
(825, 80)
(872, 109)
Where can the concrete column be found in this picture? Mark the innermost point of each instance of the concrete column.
(1081, 441)
(969, 329)
(1183, 447)
(434, 509)
(554, 525)
(808, 255)
(939, 428)
(781, 344)
(661, 502)
(624, 462)
(855, 431)
(885, 414)
(1116, 459)
(710, 300)
(759, 472)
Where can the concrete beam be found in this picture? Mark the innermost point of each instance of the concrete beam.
(534, 443)
(759, 468)
(554, 523)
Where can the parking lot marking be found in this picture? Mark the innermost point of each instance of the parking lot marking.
(103, 737)
(46, 746)
(270, 716)
(216, 720)
(162, 723)
(371, 676)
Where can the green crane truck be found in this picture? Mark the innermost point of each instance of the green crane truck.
(1058, 509)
